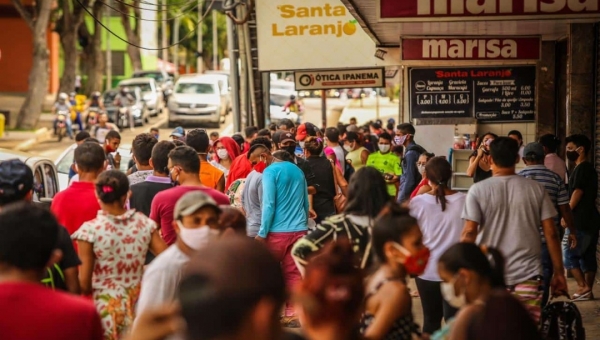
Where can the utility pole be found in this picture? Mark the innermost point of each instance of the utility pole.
(215, 40)
(165, 30)
(233, 75)
(176, 49)
(108, 51)
(199, 61)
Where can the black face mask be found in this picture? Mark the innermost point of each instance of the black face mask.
(572, 155)
(291, 149)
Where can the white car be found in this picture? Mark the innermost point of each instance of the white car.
(196, 99)
(152, 94)
(65, 161)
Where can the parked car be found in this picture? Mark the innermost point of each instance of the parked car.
(65, 161)
(196, 99)
(45, 175)
(222, 78)
(163, 79)
(138, 109)
(152, 95)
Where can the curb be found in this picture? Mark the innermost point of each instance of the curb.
(41, 135)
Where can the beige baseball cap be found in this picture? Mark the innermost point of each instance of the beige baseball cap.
(191, 202)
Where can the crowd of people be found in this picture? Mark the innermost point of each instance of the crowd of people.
(249, 237)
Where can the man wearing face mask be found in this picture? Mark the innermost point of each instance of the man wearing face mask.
(111, 144)
(583, 188)
(183, 167)
(196, 217)
(253, 189)
(387, 163)
(410, 174)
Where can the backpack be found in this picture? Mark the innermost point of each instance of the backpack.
(562, 321)
(235, 192)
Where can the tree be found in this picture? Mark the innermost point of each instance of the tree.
(67, 26)
(92, 57)
(37, 20)
(132, 31)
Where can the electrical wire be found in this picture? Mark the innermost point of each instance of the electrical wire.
(229, 11)
(167, 5)
(142, 19)
(194, 2)
(187, 36)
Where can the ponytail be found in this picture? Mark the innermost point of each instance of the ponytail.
(486, 262)
(439, 171)
(496, 261)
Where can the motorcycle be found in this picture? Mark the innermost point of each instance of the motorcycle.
(125, 118)
(61, 125)
(92, 117)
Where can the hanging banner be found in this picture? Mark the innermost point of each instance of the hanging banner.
(472, 10)
(471, 48)
(335, 79)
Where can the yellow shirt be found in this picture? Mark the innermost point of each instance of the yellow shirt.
(354, 158)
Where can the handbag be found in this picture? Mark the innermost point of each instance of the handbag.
(339, 200)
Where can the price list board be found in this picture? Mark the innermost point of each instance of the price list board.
(489, 94)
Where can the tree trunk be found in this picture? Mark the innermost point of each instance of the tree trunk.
(93, 57)
(38, 76)
(132, 33)
(68, 41)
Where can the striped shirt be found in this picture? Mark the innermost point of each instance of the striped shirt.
(555, 187)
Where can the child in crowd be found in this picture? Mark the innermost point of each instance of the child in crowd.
(112, 248)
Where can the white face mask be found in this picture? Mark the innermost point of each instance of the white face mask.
(450, 296)
(384, 148)
(421, 168)
(222, 154)
(302, 145)
(347, 147)
(197, 238)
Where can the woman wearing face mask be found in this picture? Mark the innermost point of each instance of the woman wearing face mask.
(479, 162)
(397, 242)
(117, 239)
(357, 154)
(423, 186)
(469, 275)
(439, 215)
(386, 162)
(226, 150)
(324, 178)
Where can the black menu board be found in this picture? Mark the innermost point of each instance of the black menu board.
(489, 94)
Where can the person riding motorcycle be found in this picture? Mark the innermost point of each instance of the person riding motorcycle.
(96, 105)
(73, 102)
(63, 105)
(124, 99)
(293, 105)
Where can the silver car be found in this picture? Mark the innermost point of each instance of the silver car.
(152, 95)
(196, 99)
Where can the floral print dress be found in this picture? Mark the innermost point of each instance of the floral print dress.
(120, 245)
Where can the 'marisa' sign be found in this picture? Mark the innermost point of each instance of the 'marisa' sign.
(448, 10)
(471, 48)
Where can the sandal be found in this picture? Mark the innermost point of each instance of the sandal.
(582, 297)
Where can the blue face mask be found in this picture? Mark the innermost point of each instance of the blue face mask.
(156, 136)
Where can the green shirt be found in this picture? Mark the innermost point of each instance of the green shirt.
(387, 163)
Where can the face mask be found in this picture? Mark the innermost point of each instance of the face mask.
(197, 238)
(174, 182)
(109, 148)
(572, 155)
(402, 139)
(414, 264)
(347, 147)
(222, 154)
(421, 168)
(156, 136)
(291, 149)
(302, 145)
(384, 148)
(450, 296)
(397, 140)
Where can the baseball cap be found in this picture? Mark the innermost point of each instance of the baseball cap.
(178, 132)
(534, 148)
(191, 202)
(16, 180)
(287, 136)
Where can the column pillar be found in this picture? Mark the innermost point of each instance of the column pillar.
(546, 108)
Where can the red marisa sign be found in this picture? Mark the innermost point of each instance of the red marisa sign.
(450, 10)
(465, 48)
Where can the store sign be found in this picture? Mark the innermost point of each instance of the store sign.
(479, 48)
(335, 79)
(489, 94)
(314, 34)
(455, 10)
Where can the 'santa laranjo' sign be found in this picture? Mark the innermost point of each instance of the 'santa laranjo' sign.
(464, 48)
(448, 10)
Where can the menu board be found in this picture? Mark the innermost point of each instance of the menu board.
(489, 94)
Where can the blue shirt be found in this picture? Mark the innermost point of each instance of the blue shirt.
(285, 199)
(554, 185)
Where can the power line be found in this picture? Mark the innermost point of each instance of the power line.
(187, 36)
(142, 19)
(154, 10)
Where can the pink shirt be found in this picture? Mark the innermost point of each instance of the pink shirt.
(164, 202)
(557, 165)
